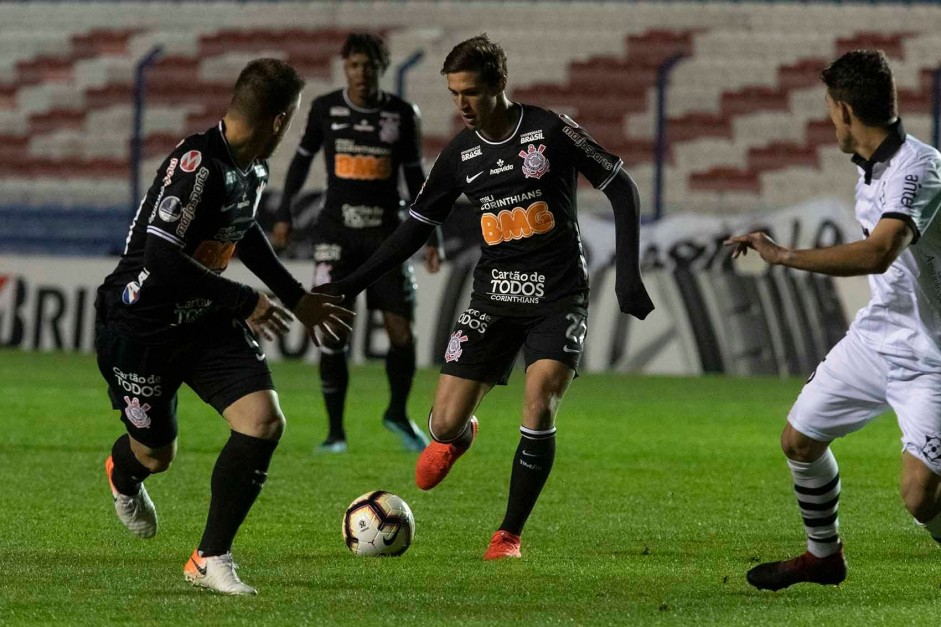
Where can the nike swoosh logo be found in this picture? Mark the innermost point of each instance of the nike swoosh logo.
(228, 208)
(336, 127)
(471, 178)
(202, 571)
(528, 454)
(570, 350)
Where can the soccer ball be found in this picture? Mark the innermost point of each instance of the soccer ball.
(378, 524)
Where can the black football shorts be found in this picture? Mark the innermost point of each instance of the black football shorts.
(338, 251)
(483, 347)
(223, 364)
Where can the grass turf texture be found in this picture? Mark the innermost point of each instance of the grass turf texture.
(665, 491)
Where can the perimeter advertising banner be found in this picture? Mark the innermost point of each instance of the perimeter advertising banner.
(712, 315)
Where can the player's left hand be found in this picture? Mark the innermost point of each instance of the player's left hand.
(770, 251)
(269, 319)
(432, 259)
(319, 312)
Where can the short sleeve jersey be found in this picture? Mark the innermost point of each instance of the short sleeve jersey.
(200, 201)
(523, 191)
(902, 180)
(363, 152)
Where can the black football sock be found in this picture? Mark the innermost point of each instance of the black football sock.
(237, 479)
(400, 369)
(334, 380)
(128, 473)
(531, 467)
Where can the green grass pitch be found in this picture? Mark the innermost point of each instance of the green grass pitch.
(665, 491)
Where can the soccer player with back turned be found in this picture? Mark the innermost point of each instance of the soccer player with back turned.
(367, 136)
(518, 165)
(891, 355)
(165, 317)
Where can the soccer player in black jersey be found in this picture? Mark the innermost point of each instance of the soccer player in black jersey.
(166, 317)
(367, 136)
(518, 166)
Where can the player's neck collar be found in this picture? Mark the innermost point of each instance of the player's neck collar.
(889, 146)
(380, 100)
(225, 142)
(512, 134)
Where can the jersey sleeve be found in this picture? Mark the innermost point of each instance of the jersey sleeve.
(915, 194)
(437, 196)
(189, 183)
(313, 132)
(597, 164)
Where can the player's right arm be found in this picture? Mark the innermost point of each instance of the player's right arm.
(911, 202)
(297, 175)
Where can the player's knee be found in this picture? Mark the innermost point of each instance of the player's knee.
(446, 425)
(157, 461)
(798, 447)
(538, 414)
(402, 340)
(270, 426)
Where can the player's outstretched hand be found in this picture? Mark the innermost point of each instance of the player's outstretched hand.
(770, 251)
(320, 312)
(269, 319)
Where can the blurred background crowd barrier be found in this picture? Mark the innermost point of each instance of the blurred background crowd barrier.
(716, 108)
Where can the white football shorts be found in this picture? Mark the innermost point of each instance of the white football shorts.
(854, 384)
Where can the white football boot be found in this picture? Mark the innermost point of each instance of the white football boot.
(215, 573)
(137, 513)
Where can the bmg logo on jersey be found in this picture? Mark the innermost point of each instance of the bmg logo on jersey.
(516, 223)
(517, 287)
(474, 320)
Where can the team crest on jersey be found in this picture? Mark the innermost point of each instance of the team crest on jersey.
(137, 413)
(535, 164)
(454, 346)
(191, 160)
(932, 448)
(389, 127)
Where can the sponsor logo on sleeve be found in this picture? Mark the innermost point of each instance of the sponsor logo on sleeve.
(131, 292)
(454, 351)
(582, 142)
(470, 153)
(910, 189)
(195, 197)
(191, 160)
(170, 209)
(535, 163)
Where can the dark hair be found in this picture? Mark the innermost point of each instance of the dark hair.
(477, 54)
(371, 45)
(266, 88)
(863, 80)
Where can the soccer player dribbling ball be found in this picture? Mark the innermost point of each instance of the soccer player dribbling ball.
(891, 355)
(367, 136)
(518, 166)
(166, 317)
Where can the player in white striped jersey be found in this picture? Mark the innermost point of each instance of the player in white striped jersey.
(891, 355)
